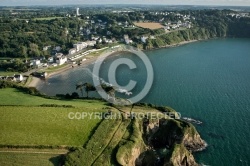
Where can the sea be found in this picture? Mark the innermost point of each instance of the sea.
(207, 80)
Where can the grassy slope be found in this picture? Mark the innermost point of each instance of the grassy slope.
(12, 96)
(33, 125)
(108, 155)
(48, 18)
(4, 73)
(43, 126)
(20, 159)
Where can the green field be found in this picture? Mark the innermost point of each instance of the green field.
(47, 18)
(20, 159)
(30, 124)
(11, 96)
(53, 69)
(4, 73)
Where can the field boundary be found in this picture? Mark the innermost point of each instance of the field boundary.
(30, 152)
(49, 147)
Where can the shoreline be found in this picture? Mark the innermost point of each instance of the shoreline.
(35, 80)
(175, 45)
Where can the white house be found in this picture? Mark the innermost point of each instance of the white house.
(126, 39)
(80, 45)
(91, 43)
(10, 78)
(95, 38)
(60, 59)
(36, 62)
(72, 51)
(46, 48)
(18, 77)
(57, 48)
(50, 59)
(109, 41)
(167, 28)
(143, 39)
(100, 40)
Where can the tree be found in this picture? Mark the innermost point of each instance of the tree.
(74, 95)
(110, 90)
(88, 88)
(23, 52)
(80, 87)
(34, 51)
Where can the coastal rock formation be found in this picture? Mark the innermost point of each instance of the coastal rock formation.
(178, 137)
(147, 142)
(194, 142)
(172, 131)
(180, 156)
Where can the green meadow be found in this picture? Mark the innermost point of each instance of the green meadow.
(11, 96)
(34, 159)
(24, 122)
(48, 18)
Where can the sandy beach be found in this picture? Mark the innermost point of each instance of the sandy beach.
(34, 82)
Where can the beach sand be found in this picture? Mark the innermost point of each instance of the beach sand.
(34, 82)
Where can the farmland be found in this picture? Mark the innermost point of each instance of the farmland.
(11, 96)
(149, 25)
(47, 18)
(31, 157)
(31, 124)
(43, 126)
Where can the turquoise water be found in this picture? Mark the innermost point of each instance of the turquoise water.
(208, 81)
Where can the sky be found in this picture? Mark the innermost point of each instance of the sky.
(165, 2)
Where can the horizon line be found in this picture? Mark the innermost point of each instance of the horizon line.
(219, 5)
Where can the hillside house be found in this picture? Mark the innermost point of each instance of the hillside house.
(91, 43)
(35, 62)
(127, 40)
(80, 46)
(18, 77)
(72, 51)
(11, 78)
(60, 59)
(50, 59)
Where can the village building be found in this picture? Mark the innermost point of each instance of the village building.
(18, 77)
(60, 59)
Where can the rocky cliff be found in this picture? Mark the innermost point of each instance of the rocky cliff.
(178, 137)
(180, 156)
